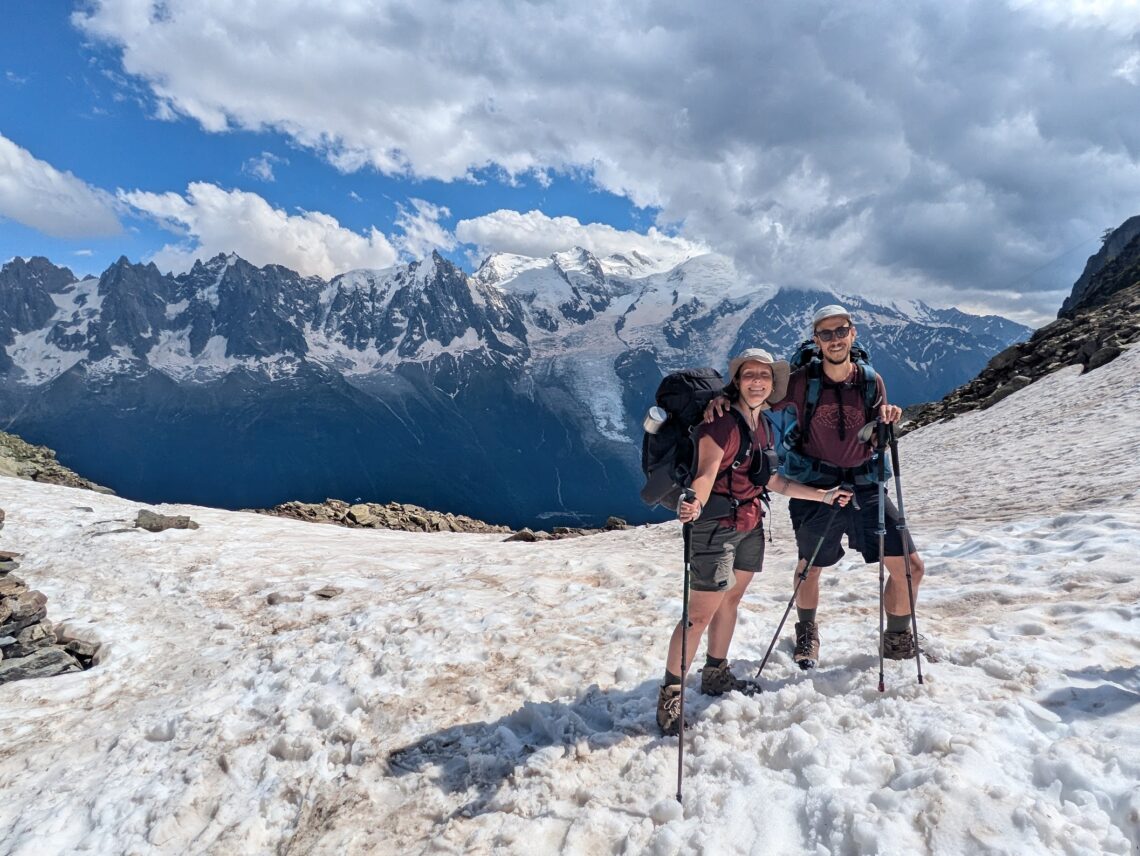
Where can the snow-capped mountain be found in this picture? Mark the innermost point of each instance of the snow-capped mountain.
(514, 393)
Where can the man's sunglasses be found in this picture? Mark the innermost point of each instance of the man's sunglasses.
(838, 333)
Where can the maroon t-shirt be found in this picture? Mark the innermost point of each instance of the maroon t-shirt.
(839, 405)
(726, 434)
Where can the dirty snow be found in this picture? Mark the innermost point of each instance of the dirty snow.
(465, 695)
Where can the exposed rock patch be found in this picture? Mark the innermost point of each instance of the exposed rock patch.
(1091, 338)
(370, 515)
(37, 463)
(29, 646)
(413, 518)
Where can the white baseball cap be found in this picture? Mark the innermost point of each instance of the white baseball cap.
(832, 311)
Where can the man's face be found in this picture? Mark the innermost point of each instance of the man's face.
(838, 349)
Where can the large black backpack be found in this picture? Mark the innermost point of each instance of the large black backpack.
(667, 457)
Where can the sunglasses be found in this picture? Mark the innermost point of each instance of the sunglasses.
(838, 333)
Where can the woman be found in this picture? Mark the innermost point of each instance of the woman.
(727, 536)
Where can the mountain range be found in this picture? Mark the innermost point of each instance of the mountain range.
(513, 394)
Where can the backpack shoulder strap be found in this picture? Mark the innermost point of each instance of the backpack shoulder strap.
(745, 439)
(811, 397)
(870, 388)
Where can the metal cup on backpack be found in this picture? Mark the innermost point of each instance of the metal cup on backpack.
(654, 419)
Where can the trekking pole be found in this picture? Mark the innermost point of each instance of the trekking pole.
(803, 574)
(686, 535)
(881, 451)
(901, 526)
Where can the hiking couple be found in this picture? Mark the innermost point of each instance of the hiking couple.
(832, 400)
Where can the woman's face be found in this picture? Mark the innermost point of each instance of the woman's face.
(755, 382)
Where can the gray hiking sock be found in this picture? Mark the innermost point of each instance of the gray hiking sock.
(672, 680)
(805, 614)
(715, 662)
(897, 623)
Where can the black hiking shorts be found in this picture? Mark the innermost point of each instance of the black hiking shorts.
(715, 551)
(810, 522)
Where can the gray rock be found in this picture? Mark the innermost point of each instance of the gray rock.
(152, 521)
(277, 597)
(82, 649)
(44, 663)
(25, 608)
(1006, 358)
(328, 592)
(613, 523)
(360, 514)
(11, 585)
(1101, 357)
(521, 535)
(30, 639)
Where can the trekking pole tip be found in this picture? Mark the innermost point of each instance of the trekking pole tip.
(882, 687)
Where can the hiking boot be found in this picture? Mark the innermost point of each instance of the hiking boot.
(898, 645)
(806, 654)
(669, 710)
(718, 680)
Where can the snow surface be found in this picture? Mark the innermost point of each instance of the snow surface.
(465, 695)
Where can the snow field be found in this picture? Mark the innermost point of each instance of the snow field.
(465, 695)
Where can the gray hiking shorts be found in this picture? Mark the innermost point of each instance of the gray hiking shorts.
(715, 551)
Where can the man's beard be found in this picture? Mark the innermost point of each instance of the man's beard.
(840, 361)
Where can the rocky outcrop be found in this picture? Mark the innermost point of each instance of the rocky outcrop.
(371, 515)
(1091, 338)
(38, 463)
(413, 518)
(29, 645)
(1116, 265)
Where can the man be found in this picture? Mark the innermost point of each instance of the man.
(832, 448)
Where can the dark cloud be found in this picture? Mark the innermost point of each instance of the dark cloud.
(925, 145)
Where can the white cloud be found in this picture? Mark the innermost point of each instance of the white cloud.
(261, 167)
(215, 221)
(36, 194)
(535, 234)
(944, 147)
(421, 229)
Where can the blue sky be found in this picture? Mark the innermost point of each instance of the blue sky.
(967, 154)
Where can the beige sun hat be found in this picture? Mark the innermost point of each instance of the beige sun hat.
(780, 370)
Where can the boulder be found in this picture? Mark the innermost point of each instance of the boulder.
(11, 585)
(44, 663)
(360, 514)
(27, 607)
(1102, 356)
(152, 521)
(276, 597)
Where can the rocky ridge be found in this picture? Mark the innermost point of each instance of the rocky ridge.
(38, 463)
(30, 646)
(414, 518)
(1091, 337)
(1110, 269)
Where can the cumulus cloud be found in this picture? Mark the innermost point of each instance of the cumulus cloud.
(214, 220)
(261, 166)
(421, 230)
(36, 194)
(944, 147)
(536, 234)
